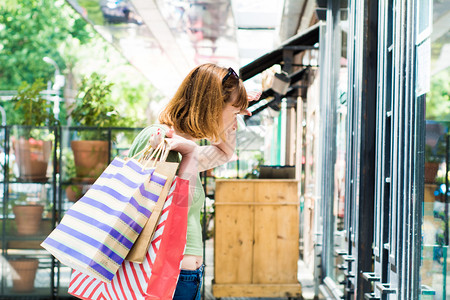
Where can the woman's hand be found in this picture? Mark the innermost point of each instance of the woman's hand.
(180, 144)
(157, 137)
(251, 96)
(175, 142)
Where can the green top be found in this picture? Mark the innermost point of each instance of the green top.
(194, 244)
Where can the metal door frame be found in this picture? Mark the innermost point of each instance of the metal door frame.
(362, 140)
(384, 167)
(400, 145)
(360, 162)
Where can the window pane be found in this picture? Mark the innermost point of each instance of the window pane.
(435, 268)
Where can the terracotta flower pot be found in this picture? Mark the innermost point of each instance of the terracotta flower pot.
(28, 218)
(32, 158)
(74, 192)
(24, 273)
(91, 159)
(431, 169)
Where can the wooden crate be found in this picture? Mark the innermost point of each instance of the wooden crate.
(256, 243)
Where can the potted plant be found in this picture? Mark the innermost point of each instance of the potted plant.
(73, 190)
(434, 156)
(27, 214)
(23, 271)
(33, 147)
(92, 109)
(28, 218)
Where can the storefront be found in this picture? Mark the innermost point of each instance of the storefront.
(371, 120)
(380, 240)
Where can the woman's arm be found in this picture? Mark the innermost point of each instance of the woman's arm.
(207, 157)
(215, 155)
(188, 168)
(212, 156)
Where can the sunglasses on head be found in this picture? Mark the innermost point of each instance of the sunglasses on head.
(231, 72)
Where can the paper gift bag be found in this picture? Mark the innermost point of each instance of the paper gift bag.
(140, 247)
(139, 250)
(157, 276)
(97, 233)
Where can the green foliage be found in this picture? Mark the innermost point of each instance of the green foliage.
(93, 10)
(68, 163)
(12, 117)
(131, 92)
(36, 110)
(93, 108)
(33, 109)
(436, 153)
(133, 100)
(438, 99)
(20, 198)
(31, 30)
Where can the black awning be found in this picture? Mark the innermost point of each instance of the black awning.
(307, 38)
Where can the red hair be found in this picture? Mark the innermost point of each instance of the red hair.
(196, 108)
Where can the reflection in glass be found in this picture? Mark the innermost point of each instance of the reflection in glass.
(204, 29)
(339, 167)
(435, 268)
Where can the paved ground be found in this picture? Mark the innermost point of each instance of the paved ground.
(307, 280)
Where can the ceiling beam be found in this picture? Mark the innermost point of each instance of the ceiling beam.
(308, 38)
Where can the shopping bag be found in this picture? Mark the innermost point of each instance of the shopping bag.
(157, 276)
(97, 232)
(140, 247)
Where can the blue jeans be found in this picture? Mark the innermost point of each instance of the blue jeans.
(189, 284)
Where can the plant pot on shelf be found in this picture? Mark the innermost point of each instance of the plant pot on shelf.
(23, 273)
(431, 169)
(74, 192)
(28, 218)
(91, 159)
(32, 158)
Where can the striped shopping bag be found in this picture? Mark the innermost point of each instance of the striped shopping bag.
(97, 232)
(156, 277)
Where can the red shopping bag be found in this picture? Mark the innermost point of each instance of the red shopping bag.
(157, 276)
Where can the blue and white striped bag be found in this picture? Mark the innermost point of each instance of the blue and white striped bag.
(97, 232)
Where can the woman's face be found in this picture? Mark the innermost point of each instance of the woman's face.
(229, 114)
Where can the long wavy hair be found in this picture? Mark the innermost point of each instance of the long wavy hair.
(196, 108)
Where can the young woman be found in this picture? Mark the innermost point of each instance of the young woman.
(205, 106)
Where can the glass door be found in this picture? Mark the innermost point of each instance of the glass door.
(433, 29)
(398, 137)
(383, 197)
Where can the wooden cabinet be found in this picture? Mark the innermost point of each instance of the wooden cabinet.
(256, 242)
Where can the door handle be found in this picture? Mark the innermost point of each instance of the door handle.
(370, 276)
(340, 252)
(385, 288)
(371, 296)
(349, 274)
(426, 290)
(349, 258)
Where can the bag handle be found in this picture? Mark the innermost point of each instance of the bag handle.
(145, 152)
(162, 151)
(149, 149)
